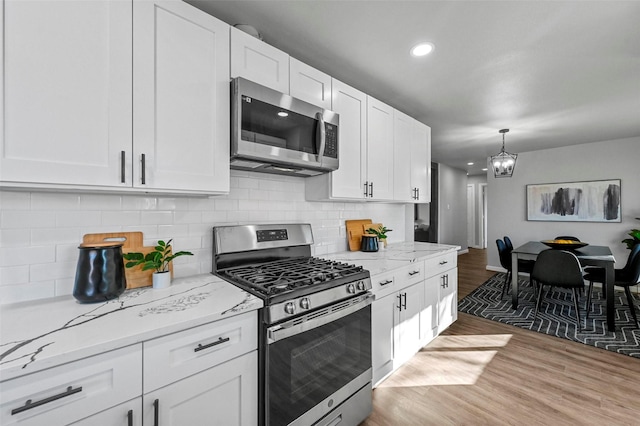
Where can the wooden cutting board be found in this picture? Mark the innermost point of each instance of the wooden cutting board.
(131, 242)
(355, 229)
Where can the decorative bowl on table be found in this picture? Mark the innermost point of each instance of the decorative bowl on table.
(564, 244)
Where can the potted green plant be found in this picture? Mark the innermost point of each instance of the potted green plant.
(158, 260)
(381, 233)
(635, 238)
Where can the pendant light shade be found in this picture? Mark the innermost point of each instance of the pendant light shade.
(503, 163)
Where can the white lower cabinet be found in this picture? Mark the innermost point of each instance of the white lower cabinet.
(206, 375)
(70, 392)
(413, 305)
(226, 394)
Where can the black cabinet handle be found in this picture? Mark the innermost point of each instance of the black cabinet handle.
(144, 169)
(371, 190)
(122, 167)
(444, 262)
(217, 342)
(413, 273)
(29, 404)
(156, 409)
(130, 418)
(399, 302)
(404, 304)
(366, 189)
(385, 282)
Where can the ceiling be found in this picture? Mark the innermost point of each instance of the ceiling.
(556, 73)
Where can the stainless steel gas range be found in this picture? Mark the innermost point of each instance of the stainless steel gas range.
(315, 327)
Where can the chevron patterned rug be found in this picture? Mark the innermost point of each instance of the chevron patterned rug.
(557, 315)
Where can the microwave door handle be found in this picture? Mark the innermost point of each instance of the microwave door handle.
(321, 136)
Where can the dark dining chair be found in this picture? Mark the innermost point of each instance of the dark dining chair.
(627, 276)
(557, 268)
(567, 237)
(508, 243)
(505, 261)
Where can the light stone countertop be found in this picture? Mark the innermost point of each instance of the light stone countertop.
(395, 256)
(44, 333)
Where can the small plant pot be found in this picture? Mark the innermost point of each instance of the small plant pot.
(161, 279)
(383, 244)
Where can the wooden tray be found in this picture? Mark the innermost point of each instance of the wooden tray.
(355, 229)
(131, 242)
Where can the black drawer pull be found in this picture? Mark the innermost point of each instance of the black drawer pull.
(122, 167)
(444, 262)
(29, 405)
(144, 170)
(130, 418)
(385, 282)
(156, 412)
(413, 273)
(217, 342)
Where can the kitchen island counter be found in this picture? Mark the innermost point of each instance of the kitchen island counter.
(44, 333)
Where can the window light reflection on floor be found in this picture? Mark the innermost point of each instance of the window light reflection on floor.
(448, 360)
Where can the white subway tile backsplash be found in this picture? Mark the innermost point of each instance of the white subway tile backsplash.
(38, 246)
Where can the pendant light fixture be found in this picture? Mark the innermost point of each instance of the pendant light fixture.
(503, 163)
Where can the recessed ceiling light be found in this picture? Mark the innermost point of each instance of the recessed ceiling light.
(283, 114)
(422, 49)
(469, 164)
(484, 170)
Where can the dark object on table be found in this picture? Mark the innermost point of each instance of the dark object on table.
(626, 277)
(524, 266)
(100, 273)
(558, 268)
(564, 244)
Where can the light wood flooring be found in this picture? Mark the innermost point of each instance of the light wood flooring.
(480, 372)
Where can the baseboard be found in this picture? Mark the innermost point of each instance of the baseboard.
(463, 251)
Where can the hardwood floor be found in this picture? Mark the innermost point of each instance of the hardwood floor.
(481, 372)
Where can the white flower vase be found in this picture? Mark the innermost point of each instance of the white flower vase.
(161, 279)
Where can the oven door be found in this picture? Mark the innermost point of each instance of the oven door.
(315, 362)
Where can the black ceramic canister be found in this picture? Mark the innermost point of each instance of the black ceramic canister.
(100, 272)
(369, 243)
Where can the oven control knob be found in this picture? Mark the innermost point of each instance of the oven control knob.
(351, 288)
(290, 308)
(304, 303)
(361, 286)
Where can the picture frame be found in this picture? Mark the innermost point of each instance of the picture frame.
(585, 201)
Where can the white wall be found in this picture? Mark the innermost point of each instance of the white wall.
(617, 159)
(452, 206)
(477, 181)
(40, 232)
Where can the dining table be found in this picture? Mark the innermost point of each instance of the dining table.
(589, 255)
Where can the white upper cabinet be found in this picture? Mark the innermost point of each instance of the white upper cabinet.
(66, 93)
(79, 114)
(412, 159)
(181, 98)
(403, 133)
(348, 181)
(379, 150)
(259, 62)
(421, 163)
(309, 84)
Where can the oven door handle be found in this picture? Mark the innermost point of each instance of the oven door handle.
(297, 326)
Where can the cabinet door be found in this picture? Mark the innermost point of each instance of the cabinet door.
(429, 312)
(129, 414)
(408, 328)
(403, 133)
(384, 312)
(309, 84)
(259, 62)
(223, 395)
(421, 162)
(181, 111)
(448, 304)
(65, 115)
(351, 105)
(379, 149)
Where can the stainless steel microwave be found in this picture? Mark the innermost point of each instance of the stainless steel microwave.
(275, 133)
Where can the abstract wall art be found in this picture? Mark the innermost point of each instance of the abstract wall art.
(591, 201)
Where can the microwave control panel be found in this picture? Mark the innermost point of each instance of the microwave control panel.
(331, 146)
